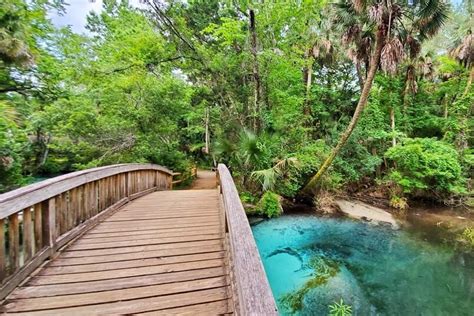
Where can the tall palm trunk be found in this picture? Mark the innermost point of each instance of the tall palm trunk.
(308, 77)
(256, 74)
(374, 64)
(469, 82)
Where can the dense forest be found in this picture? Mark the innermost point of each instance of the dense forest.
(301, 99)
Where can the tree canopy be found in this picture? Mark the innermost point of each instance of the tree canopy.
(355, 95)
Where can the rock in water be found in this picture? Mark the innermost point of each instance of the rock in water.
(359, 210)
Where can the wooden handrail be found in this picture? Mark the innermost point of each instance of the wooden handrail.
(250, 284)
(45, 216)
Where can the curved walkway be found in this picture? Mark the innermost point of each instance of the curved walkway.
(206, 179)
(163, 253)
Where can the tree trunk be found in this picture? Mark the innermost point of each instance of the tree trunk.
(256, 74)
(392, 125)
(445, 101)
(374, 64)
(308, 74)
(360, 76)
(469, 82)
(206, 136)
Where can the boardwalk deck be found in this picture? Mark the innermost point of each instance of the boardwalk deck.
(163, 253)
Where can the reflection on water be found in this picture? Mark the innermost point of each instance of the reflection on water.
(380, 271)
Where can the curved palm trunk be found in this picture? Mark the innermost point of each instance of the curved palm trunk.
(469, 82)
(374, 64)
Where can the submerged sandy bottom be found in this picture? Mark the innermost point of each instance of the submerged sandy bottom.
(380, 271)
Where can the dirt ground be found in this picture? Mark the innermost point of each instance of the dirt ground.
(206, 179)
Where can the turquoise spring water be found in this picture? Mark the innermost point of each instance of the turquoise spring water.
(380, 271)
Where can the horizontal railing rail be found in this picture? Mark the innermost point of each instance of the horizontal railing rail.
(37, 220)
(251, 290)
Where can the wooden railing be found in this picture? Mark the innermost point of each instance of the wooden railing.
(37, 220)
(251, 291)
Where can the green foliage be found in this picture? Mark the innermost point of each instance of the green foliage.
(269, 205)
(340, 309)
(428, 166)
(196, 75)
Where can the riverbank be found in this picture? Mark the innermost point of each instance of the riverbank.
(432, 222)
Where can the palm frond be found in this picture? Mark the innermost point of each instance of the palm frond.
(266, 177)
(269, 177)
(392, 55)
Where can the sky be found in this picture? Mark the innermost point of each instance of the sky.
(76, 13)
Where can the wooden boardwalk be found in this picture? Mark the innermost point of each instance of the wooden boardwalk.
(163, 253)
(118, 240)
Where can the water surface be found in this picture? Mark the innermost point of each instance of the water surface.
(378, 270)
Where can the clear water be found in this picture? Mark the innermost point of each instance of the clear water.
(381, 271)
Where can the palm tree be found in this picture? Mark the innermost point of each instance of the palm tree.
(464, 53)
(385, 21)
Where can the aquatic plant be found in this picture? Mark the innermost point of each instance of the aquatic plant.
(323, 270)
(340, 309)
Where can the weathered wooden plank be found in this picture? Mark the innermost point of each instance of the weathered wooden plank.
(63, 301)
(253, 291)
(155, 261)
(123, 250)
(150, 232)
(153, 226)
(121, 273)
(167, 252)
(153, 234)
(160, 221)
(213, 308)
(143, 242)
(158, 216)
(142, 305)
(115, 284)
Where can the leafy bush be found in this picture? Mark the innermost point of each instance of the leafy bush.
(269, 205)
(427, 166)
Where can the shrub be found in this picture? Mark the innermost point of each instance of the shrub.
(427, 166)
(269, 205)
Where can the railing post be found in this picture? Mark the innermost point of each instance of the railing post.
(49, 222)
(3, 258)
(127, 184)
